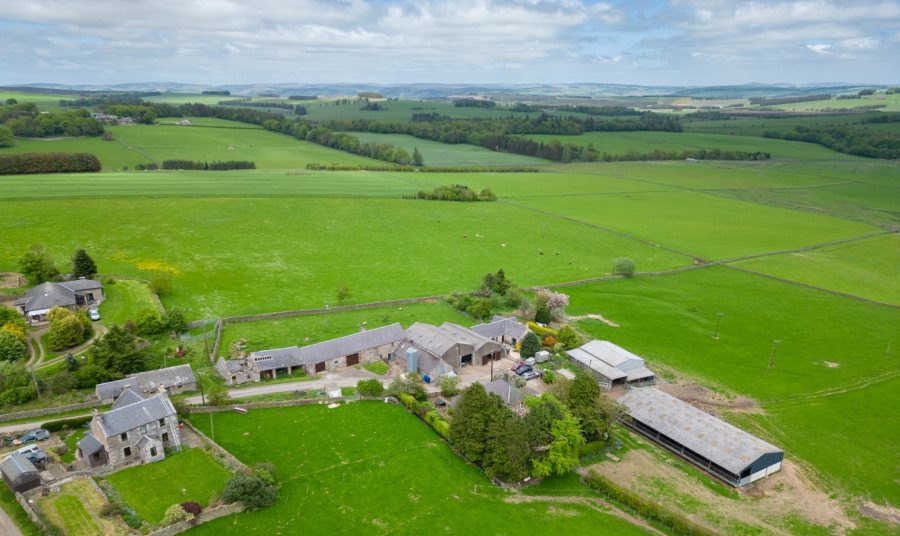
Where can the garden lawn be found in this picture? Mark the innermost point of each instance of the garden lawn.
(190, 475)
(125, 298)
(75, 517)
(703, 225)
(829, 346)
(867, 268)
(373, 468)
(444, 154)
(231, 256)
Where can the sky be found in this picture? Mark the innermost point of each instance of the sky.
(644, 42)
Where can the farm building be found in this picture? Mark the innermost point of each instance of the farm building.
(612, 365)
(511, 395)
(502, 329)
(358, 348)
(19, 474)
(136, 429)
(726, 451)
(72, 295)
(448, 347)
(91, 451)
(175, 380)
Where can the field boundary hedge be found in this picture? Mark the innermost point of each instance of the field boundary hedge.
(32, 163)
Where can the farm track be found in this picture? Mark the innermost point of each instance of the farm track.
(855, 386)
(594, 503)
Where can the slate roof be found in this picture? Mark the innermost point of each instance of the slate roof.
(147, 382)
(80, 285)
(47, 296)
(595, 364)
(232, 365)
(16, 465)
(430, 338)
(128, 396)
(89, 445)
(131, 416)
(723, 444)
(323, 351)
(502, 327)
(508, 393)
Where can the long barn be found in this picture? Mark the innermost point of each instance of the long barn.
(726, 451)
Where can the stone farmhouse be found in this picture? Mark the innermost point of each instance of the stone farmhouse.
(447, 348)
(174, 380)
(72, 295)
(612, 366)
(358, 348)
(137, 429)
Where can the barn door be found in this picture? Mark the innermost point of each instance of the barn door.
(320, 367)
(352, 360)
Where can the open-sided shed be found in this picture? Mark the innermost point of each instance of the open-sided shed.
(726, 451)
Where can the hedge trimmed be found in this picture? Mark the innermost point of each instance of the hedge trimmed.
(541, 330)
(427, 413)
(75, 422)
(28, 163)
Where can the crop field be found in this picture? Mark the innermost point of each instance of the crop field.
(833, 368)
(371, 467)
(702, 225)
(379, 249)
(330, 110)
(867, 268)
(619, 143)
(443, 154)
(303, 330)
(43, 100)
(190, 475)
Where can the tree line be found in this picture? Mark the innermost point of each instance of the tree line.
(211, 166)
(29, 163)
(297, 109)
(847, 139)
(24, 120)
(117, 98)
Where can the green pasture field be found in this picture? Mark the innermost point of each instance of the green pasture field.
(303, 330)
(402, 110)
(231, 256)
(703, 225)
(619, 143)
(184, 98)
(830, 347)
(43, 100)
(125, 298)
(867, 268)
(143, 144)
(757, 126)
(189, 475)
(445, 154)
(373, 468)
(892, 103)
(207, 122)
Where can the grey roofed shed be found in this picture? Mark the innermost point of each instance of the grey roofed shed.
(89, 445)
(276, 358)
(508, 393)
(129, 417)
(430, 338)
(19, 473)
(351, 344)
(147, 382)
(701, 437)
(595, 364)
(502, 327)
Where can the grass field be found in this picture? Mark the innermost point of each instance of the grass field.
(303, 330)
(336, 480)
(702, 225)
(76, 518)
(190, 475)
(867, 268)
(618, 143)
(75, 508)
(43, 100)
(832, 356)
(444, 154)
(330, 110)
(124, 300)
(751, 126)
(891, 102)
(226, 256)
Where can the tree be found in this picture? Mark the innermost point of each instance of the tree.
(468, 428)
(531, 345)
(623, 266)
(117, 352)
(417, 159)
(6, 137)
(568, 337)
(66, 329)
(176, 321)
(37, 265)
(252, 491)
(217, 395)
(506, 451)
(11, 348)
(15, 329)
(83, 265)
(342, 294)
(583, 399)
(149, 322)
(410, 384)
(542, 315)
(562, 456)
(543, 412)
(450, 386)
(371, 387)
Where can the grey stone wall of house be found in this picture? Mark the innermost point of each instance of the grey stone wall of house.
(115, 445)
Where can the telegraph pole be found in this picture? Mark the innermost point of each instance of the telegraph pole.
(718, 319)
(775, 344)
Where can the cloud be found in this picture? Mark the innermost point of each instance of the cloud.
(820, 48)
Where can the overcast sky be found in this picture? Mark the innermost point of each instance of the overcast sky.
(651, 42)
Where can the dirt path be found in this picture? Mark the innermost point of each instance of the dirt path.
(599, 317)
(37, 349)
(595, 503)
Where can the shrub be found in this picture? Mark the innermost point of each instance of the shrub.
(548, 376)
(412, 385)
(542, 315)
(449, 386)
(541, 330)
(531, 345)
(149, 322)
(217, 396)
(370, 387)
(75, 422)
(11, 348)
(175, 514)
(568, 337)
(252, 491)
(110, 509)
(192, 508)
(623, 266)
(549, 341)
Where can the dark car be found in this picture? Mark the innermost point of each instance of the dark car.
(522, 369)
(38, 434)
(530, 375)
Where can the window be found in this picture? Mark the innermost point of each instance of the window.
(152, 451)
(96, 455)
(124, 436)
(165, 437)
(162, 422)
(127, 451)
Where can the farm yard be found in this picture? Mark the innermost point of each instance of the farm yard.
(333, 480)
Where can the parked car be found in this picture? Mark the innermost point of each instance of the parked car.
(38, 434)
(530, 375)
(34, 454)
(522, 369)
(95, 314)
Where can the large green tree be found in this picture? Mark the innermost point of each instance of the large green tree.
(11, 348)
(531, 345)
(66, 329)
(507, 456)
(468, 429)
(562, 455)
(37, 265)
(6, 137)
(118, 352)
(83, 265)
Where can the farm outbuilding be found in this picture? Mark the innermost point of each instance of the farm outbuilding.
(723, 450)
(611, 365)
(175, 380)
(19, 473)
(502, 329)
(447, 347)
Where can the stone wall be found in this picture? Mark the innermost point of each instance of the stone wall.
(224, 456)
(206, 515)
(29, 509)
(48, 411)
